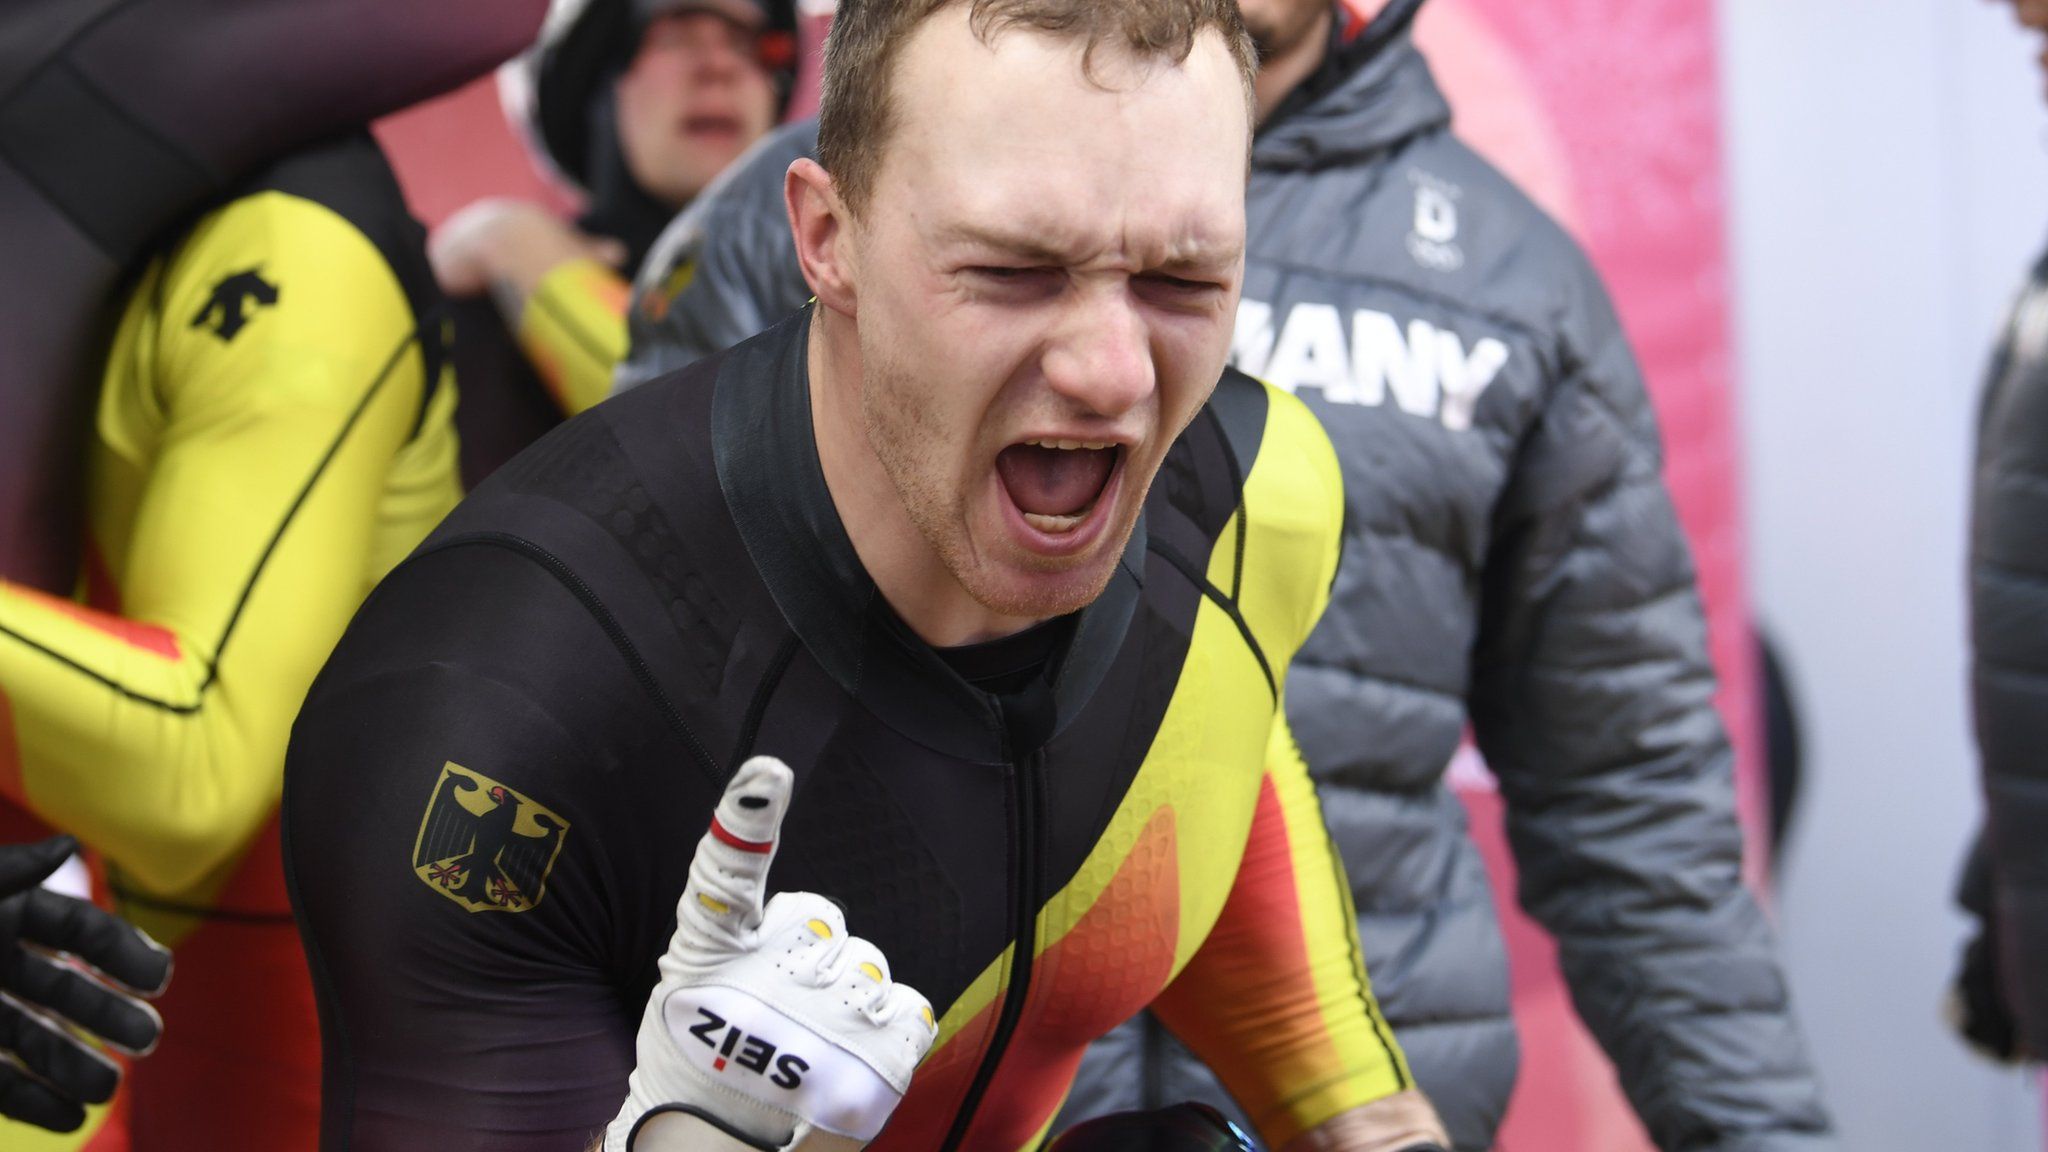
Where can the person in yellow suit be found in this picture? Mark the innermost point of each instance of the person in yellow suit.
(273, 433)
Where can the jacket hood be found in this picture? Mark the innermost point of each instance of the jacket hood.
(616, 205)
(1359, 103)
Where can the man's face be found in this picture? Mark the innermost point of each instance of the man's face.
(695, 96)
(1045, 276)
(1278, 25)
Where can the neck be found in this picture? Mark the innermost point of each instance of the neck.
(1284, 71)
(910, 574)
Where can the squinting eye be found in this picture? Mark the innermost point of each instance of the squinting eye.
(1008, 282)
(1179, 287)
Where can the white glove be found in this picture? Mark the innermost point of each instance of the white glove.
(771, 1024)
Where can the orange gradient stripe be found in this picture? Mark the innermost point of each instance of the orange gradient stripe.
(1275, 1031)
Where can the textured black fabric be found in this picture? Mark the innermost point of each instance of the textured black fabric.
(1512, 562)
(2009, 652)
(1002, 667)
(504, 407)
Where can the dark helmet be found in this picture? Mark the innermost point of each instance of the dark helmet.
(585, 44)
(1182, 1128)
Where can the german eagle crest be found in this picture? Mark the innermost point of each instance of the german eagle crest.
(484, 846)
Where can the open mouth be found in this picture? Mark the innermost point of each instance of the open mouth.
(1056, 484)
(711, 125)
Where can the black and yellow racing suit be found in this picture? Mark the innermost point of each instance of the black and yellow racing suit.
(269, 441)
(494, 791)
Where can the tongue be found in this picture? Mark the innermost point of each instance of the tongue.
(1054, 481)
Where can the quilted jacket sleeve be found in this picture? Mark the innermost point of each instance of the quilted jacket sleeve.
(723, 270)
(1592, 700)
(2009, 660)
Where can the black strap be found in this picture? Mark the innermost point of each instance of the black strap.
(708, 1118)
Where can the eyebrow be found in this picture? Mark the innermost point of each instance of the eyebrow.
(1026, 244)
(1035, 247)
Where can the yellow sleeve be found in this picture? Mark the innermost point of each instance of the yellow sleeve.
(1277, 1001)
(265, 413)
(574, 332)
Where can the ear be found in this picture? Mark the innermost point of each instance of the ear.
(819, 222)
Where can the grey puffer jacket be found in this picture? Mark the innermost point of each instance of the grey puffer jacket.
(2009, 663)
(1512, 561)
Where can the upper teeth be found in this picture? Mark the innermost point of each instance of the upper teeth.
(1070, 445)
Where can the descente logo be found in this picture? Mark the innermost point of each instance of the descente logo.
(1428, 370)
(749, 1052)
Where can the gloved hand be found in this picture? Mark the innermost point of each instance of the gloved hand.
(1976, 1004)
(54, 1073)
(770, 1024)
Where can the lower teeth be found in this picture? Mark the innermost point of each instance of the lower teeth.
(1053, 524)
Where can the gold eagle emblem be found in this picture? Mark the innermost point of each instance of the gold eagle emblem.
(484, 845)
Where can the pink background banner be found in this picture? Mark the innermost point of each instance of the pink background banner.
(1607, 112)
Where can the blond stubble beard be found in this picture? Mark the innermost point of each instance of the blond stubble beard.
(894, 431)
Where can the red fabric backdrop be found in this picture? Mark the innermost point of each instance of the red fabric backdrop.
(1607, 111)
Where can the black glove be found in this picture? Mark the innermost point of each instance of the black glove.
(1977, 1006)
(54, 1073)
(1976, 1002)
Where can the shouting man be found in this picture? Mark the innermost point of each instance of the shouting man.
(908, 543)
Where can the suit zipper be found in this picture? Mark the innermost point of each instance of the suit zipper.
(1025, 818)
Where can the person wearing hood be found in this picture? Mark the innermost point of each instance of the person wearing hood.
(638, 104)
(1512, 563)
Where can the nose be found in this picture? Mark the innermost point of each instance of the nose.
(721, 58)
(1101, 355)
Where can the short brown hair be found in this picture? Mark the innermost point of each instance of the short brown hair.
(857, 112)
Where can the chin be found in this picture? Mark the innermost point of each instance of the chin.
(1038, 594)
(678, 188)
